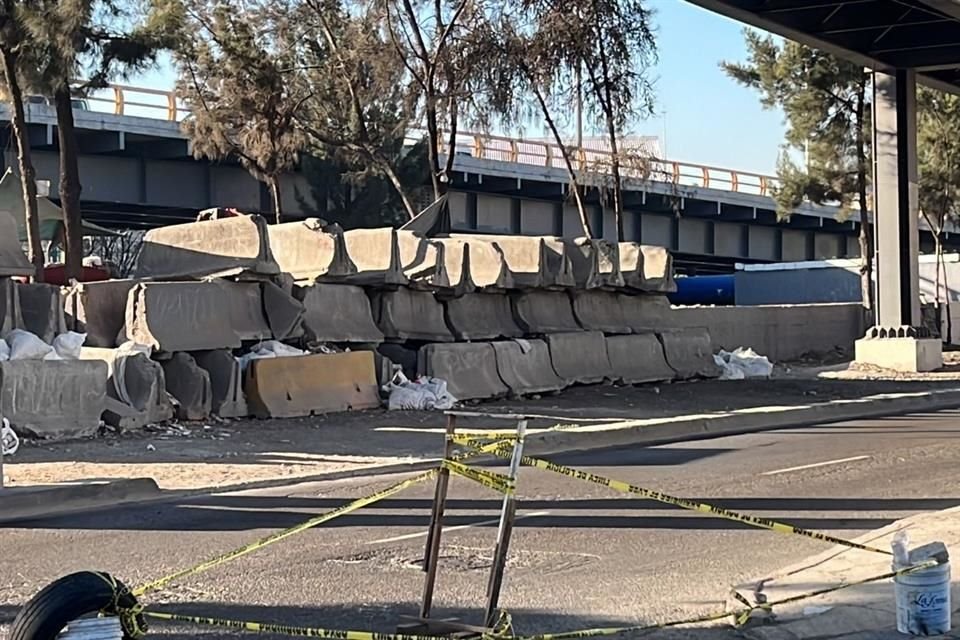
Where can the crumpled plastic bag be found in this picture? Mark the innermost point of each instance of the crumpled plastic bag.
(27, 346)
(743, 363)
(67, 345)
(417, 395)
(9, 442)
(270, 349)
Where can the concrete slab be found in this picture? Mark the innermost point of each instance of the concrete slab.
(689, 352)
(525, 367)
(53, 399)
(306, 385)
(306, 252)
(41, 306)
(645, 312)
(600, 311)
(595, 264)
(481, 316)
(410, 315)
(136, 382)
(638, 358)
(195, 316)
(10, 314)
(474, 265)
(338, 313)
(646, 268)
(540, 312)
(13, 261)
(210, 248)
(226, 383)
(580, 357)
(98, 309)
(283, 312)
(470, 370)
(190, 385)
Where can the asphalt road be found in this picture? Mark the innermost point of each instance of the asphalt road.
(581, 556)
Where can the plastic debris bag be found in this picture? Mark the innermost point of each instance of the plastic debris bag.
(418, 395)
(27, 346)
(743, 363)
(67, 345)
(9, 442)
(270, 349)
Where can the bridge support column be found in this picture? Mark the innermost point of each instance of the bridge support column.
(897, 340)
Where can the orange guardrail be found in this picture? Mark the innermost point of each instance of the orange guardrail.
(635, 163)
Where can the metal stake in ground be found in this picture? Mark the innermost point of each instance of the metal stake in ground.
(507, 516)
(432, 550)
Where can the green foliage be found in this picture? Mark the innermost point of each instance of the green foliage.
(938, 146)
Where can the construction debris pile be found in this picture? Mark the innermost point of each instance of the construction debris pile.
(236, 317)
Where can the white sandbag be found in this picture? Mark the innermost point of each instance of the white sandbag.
(418, 395)
(68, 345)
(27, 346)
(743, 363)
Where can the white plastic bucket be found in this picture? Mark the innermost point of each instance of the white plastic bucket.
(923, 601)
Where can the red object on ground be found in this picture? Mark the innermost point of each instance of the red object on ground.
(57, 274)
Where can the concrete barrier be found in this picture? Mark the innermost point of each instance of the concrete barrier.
(282, 311)
(53, 398)
(646, 268)
(98, 309)
(190, 385)
(533, 262)
(226, 383)
(306, 385)
(474, 265)
(337, 313)
(10, 315)
(646, 311)
(481, 316)
(411, 315)
(689, 352)
(469, 369)
(13, 261)
(227, 246)
(306, 252)
(388, 258)
(136, 382)
(539, 312)
(595, 263)
(638, 358)
(600, 311)
(422, 262)
(41, 306)
(580, 357)
(525, 367)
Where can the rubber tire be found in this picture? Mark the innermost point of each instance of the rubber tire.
(45, 615)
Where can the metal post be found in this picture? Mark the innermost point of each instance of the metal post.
(507, 513)
(432, 550)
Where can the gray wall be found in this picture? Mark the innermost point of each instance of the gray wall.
(779, 332)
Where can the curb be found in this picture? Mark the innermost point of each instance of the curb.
(568, 439)
(47, 501)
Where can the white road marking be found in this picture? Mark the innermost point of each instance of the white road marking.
(814, 465)
(423, 534)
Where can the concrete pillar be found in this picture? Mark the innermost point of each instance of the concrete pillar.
(897, 340)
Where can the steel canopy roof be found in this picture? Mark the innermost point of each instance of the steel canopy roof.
(882, 34)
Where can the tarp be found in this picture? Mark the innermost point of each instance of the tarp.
(51, 216)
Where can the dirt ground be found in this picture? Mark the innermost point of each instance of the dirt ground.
(233, 453)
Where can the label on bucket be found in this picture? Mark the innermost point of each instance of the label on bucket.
(926, 612)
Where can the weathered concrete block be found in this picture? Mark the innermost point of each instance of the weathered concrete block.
(306, 252)
(525, 367)
(190, 385)
(474, 265)
(10, 315)
(136, 382)
(387, 257)
(53, 398)
(338, 313)
(227, 246)
(13, 261)
(470, 370)
(534, 262)
(645, 312)
(689, 352)
(306, 385)
(539, 312)
(595, 263)
(580, 357)
(41, 306)
(646, 268)
(99, 310)
(638, 358)
(411, 315)
(195, 316)
(284, 313)
(226, 383)
(422, 262)
(482, 316)
(600, 311)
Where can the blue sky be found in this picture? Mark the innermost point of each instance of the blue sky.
(709, 118)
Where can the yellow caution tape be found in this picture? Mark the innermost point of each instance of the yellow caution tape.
(265, 627)
(504, 451)
(488, 479)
